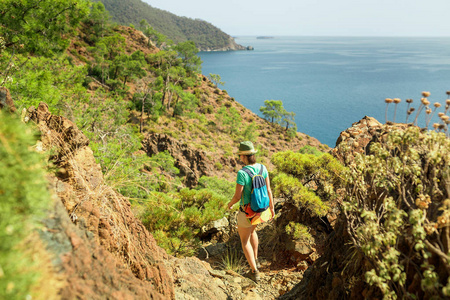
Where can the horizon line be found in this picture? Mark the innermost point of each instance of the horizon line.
(362, 36)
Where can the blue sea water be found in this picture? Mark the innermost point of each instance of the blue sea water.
(332, 82)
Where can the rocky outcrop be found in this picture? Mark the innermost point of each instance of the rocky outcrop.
(107, 250)
(5, 100)
(357, 139)
(192, 163)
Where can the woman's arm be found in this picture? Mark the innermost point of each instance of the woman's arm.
(269, 191)
(237, 195)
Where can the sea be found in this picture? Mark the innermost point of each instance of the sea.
(332, 82)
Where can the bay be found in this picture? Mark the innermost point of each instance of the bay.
(332, 82)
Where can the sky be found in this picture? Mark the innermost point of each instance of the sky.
(318, 17)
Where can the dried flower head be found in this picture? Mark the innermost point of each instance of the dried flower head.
(447, 101)
(448, 92)
(423, 201)
(443, 220)
(428, 111)
(423, 100)
(437, 104)
(440, 114)
(445, 118)
(388, 100)
(426, 94)
(397, 100)
(409, 100)
(435, 125)
(426, 102)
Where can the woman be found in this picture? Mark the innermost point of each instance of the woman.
(247, 233)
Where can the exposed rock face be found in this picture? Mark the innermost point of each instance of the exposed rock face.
(108, 242)
(192, 163)
(359, 137)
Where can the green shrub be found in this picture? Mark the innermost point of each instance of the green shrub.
(217, 185)
(23, 199)
(176, 219)
(218, 166)
(250, 133)
(398, 202)
(307, 180)
(307, 149)
(290, 188)
(298, 232)
(208, 109)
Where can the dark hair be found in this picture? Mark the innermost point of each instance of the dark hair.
(251, 159)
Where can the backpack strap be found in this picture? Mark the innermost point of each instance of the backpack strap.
(262, 169)
(248, 171)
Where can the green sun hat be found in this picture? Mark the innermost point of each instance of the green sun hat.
(246, 148)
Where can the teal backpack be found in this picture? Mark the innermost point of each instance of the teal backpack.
(259, 197)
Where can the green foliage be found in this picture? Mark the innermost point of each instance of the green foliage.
(41, 27)
(216, 79)
(309, 167)
(49, 80)
(178, 29)
(152, 34)
(289, 187)
(273, 110)
(276, 113)
(188, 53)
(232, 260)
(398, 202)
(307, 149)
(298, 232)
(306, 179)
(23, 199)
(217, 185)
(250, 132)
(230, 119)
(98, 22)
(176, 219)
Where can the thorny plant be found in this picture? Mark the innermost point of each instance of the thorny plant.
(444, 121)
(397, 208)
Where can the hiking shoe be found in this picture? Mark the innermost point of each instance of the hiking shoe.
(258, 264)
(253, 275)
(257, 276)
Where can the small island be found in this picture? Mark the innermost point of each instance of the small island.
(264, 37)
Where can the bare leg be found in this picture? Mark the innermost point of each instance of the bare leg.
(254, 243)
(244, 234)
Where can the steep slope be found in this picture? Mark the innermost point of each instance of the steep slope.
(206, 36)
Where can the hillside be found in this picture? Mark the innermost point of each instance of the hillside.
(118, 159)
(206, 36)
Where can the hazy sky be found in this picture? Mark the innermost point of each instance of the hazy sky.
(318, 17)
